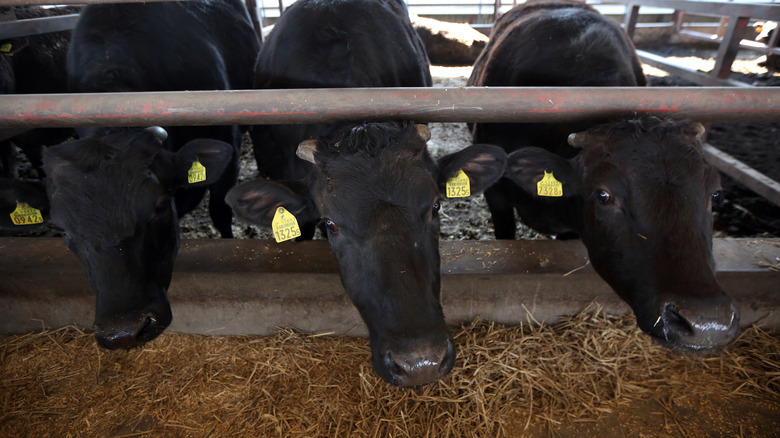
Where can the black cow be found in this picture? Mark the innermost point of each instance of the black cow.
(376, 189)
(640, 195)
(374, 185)
(638, 192)
(113, 197)
(192, 45)
(332, 44)
(112, 193)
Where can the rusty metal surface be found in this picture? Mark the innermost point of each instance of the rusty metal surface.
(231, 286)
(473, 104)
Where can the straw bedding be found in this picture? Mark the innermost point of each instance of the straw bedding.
(591, 374)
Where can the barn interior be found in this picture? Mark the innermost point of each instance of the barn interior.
(243, 359)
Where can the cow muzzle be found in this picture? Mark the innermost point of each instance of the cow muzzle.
(699, 324)
(130, 331)
(416, 362)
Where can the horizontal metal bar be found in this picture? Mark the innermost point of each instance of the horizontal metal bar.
(37, 26)
(751, 178)
(468, 104)
(766, 11)
(685, 72)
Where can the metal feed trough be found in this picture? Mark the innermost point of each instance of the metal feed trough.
(252, 286)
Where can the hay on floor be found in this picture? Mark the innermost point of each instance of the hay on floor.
(507, 381)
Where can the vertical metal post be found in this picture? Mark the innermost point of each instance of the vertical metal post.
(729, 47)
(677, 17)
(630, 18)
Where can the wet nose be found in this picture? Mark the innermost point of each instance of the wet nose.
(129, 331)
(418, 366)
(699, 323)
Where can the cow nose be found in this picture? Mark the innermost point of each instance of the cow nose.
(419, 366)
(699, 323)
(129, 332)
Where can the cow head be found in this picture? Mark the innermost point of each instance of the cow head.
(377, 192)
(113, 197)
(640, 196)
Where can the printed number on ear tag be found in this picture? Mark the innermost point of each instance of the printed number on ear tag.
(459, 186)
(26, 215)
(549, 186)
(284, 225)
(197, 173)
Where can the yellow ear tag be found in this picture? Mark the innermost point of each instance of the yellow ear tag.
(26, 215)
(549, 186)
(459, 186)
(6, 49)
(197, 173)
(284, 225)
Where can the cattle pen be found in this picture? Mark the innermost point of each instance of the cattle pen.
(263, 337)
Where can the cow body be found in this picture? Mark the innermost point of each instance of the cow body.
(373, 186)
(638, 192)
(118, 193)
(198, 45)
(332, 44)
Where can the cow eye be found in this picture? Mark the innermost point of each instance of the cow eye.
(331, 226)
(717, 197)
(162, 206)
(604, 197)
(436, 206)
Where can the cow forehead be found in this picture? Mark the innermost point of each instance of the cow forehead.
(648, 157)
(394, 173)
(104, 202)
(356, 187)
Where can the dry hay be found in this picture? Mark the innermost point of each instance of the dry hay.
(507, 381)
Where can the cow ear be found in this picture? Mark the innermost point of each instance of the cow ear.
(13, 193)
(201, 162)
(256, 201)
(483, 164)
(527, 166)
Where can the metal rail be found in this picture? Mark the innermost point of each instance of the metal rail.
(738, 14)
(472, 104)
